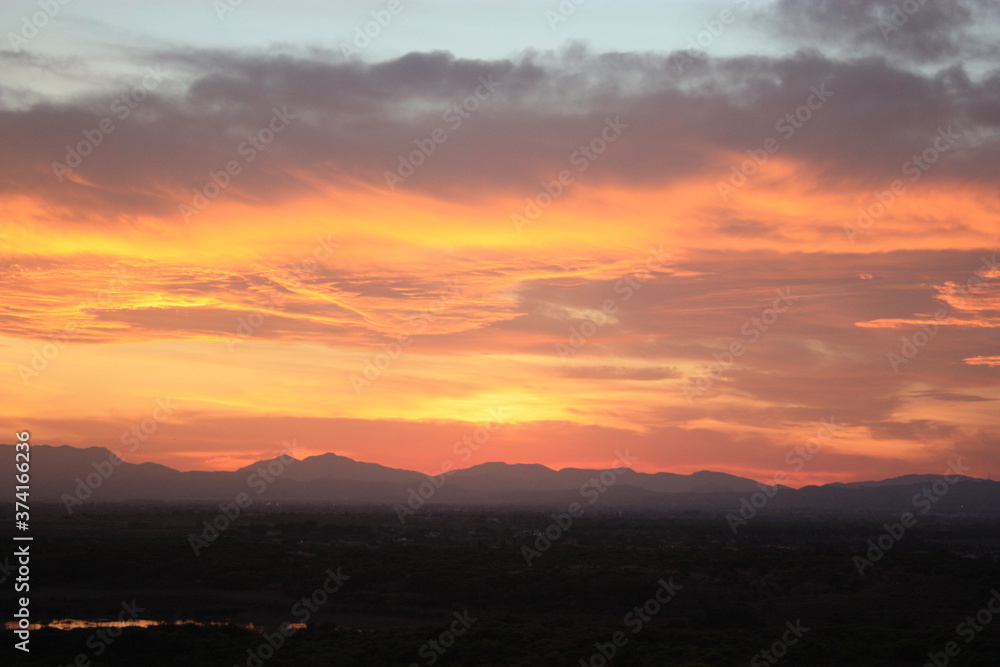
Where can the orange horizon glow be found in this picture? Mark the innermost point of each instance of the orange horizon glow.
(310, 303)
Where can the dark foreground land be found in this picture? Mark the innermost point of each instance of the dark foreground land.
(452, 587)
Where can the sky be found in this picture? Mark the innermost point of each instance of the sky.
(750, 237)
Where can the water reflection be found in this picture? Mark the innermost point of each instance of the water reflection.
(73, 623)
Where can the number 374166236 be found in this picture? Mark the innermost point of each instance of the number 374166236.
(22, 463)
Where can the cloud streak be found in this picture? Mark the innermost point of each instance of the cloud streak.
(255, 309)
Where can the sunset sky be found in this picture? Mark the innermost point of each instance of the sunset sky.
(371, 228)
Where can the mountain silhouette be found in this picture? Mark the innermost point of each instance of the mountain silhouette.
(77, 476)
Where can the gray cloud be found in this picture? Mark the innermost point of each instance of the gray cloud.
(353, 121)
(920, 30)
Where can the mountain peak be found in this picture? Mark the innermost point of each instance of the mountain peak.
(332, 477)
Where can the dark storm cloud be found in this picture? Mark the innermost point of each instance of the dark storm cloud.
(349, 123)
(922, 30)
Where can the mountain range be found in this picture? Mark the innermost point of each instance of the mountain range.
(78, 476)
